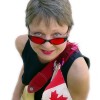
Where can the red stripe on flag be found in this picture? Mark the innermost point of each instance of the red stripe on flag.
(57, 80)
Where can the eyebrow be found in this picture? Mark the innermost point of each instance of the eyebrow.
(44, 33)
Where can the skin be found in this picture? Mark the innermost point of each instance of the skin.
(78, 75)
(52, 31)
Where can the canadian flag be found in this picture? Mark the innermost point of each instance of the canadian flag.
(57, 89)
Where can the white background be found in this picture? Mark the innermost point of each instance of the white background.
(85, 32)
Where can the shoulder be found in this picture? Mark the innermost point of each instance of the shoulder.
(20, 42)
(78, 79)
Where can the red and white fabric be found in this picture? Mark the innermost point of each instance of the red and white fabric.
(57, 89)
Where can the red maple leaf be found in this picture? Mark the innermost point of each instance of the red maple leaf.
(54, 96)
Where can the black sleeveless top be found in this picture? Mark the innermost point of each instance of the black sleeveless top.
(32, 66)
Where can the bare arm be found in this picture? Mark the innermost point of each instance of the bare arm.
(78, 80)
(20, 43)
(19, 87)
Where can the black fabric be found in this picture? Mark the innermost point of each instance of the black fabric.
(32, 66)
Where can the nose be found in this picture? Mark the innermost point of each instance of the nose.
(47, 44)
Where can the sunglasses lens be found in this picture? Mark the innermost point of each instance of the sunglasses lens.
(39, 40)
(36, 39)
(57, 41)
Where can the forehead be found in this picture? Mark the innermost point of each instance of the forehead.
(46, 24)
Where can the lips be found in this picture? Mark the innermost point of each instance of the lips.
(47, 52)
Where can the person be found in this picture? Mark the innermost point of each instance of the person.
(49, 24)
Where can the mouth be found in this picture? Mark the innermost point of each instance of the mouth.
(47, 52)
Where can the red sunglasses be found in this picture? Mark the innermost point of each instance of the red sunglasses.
(55, 41)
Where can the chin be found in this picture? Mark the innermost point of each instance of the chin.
(46, 60)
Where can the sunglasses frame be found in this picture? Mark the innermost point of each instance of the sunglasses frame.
(65, 38)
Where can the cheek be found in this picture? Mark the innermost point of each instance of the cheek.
(61, 47)
(34, 46)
